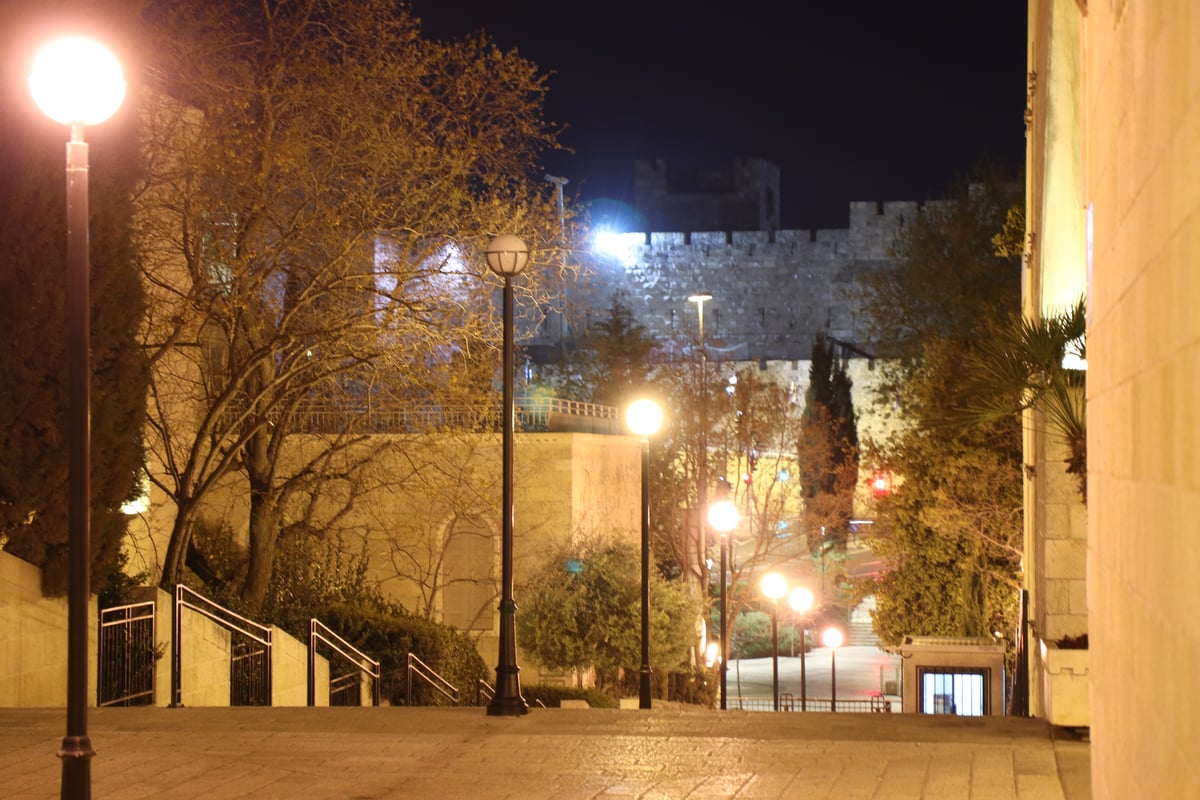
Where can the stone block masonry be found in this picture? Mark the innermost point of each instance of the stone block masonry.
(773, 291)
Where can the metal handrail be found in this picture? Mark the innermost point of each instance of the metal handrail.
(319, 632)
(533, 413)
(422, 670)
(790, 703)
(483, 691)
(226, 618)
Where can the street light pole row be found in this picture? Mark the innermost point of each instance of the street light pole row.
(800, 598)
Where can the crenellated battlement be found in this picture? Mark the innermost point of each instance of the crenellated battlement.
(773, 291)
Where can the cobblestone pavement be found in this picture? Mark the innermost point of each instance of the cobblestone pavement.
(375, 753)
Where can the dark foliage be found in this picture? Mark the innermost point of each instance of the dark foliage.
(33, 393)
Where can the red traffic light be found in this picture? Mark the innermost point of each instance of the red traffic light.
(881, 483)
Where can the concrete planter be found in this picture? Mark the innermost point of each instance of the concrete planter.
(1065, 685)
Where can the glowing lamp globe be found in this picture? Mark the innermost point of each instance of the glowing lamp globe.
(76, 81)
(644, 417)
(774, 585)
(833, 638)
(723, 516)
(507, 255)
(800, 599)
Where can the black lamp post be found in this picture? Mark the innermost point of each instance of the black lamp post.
(645, 418)
(774, 586)
(700, 298)
(801, 600)
(77, 82)
(723, 517)
(507, 255)
(832, 637)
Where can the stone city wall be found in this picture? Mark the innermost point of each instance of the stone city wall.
(772, 291)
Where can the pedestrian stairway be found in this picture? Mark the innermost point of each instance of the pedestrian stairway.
(861, 631)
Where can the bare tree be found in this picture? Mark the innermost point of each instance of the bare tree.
(321, 186)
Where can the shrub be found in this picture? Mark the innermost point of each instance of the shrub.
(552, 696)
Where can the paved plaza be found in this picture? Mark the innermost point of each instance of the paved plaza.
(446, 753)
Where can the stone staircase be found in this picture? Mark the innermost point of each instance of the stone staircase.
(860, 632)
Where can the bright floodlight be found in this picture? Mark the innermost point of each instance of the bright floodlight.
(723, 516)
(832, 637)
(76, 81)
(800, 599)
(644, 417)
(774, 585)
(507, 255)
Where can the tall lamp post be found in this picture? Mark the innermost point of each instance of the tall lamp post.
(774, 586)
(723, 517)
(832, 638)
(507, 255)
(77, 82)
(801, 600)
(645, 418)
(700, 298)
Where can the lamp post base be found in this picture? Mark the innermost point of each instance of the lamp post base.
(76, 754)
(508, 701)
(507, 707)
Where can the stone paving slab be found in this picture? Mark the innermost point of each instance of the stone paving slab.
(555, 754)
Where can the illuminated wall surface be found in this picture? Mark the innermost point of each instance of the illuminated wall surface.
(1135, 131)
(773, 291)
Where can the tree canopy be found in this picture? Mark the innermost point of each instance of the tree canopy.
(320, 189)
(582, 611)
(950, 532)
(33, 322)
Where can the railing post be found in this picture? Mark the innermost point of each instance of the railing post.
(269, 650)
(312, 662)
(176, 645)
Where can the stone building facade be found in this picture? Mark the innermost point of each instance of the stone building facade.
(1116, 86)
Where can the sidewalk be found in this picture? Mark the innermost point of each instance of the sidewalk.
(370, 753)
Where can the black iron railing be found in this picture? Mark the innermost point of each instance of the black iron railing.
(127, 655)
(788, 702)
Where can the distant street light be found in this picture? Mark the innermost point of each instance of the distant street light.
(723, 517)
(507, 255)
(77, 82)
(774, 586)
(801, 601)
(700, 298)
(645, 418)
(832, 638)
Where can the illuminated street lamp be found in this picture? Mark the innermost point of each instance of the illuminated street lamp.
(507, 255)
(645, 418)
(832, 638)
(77, 82)
(801, 600)
(774, 586)
(700, 298)
(723, 517)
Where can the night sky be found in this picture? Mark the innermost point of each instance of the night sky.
(853, 101)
